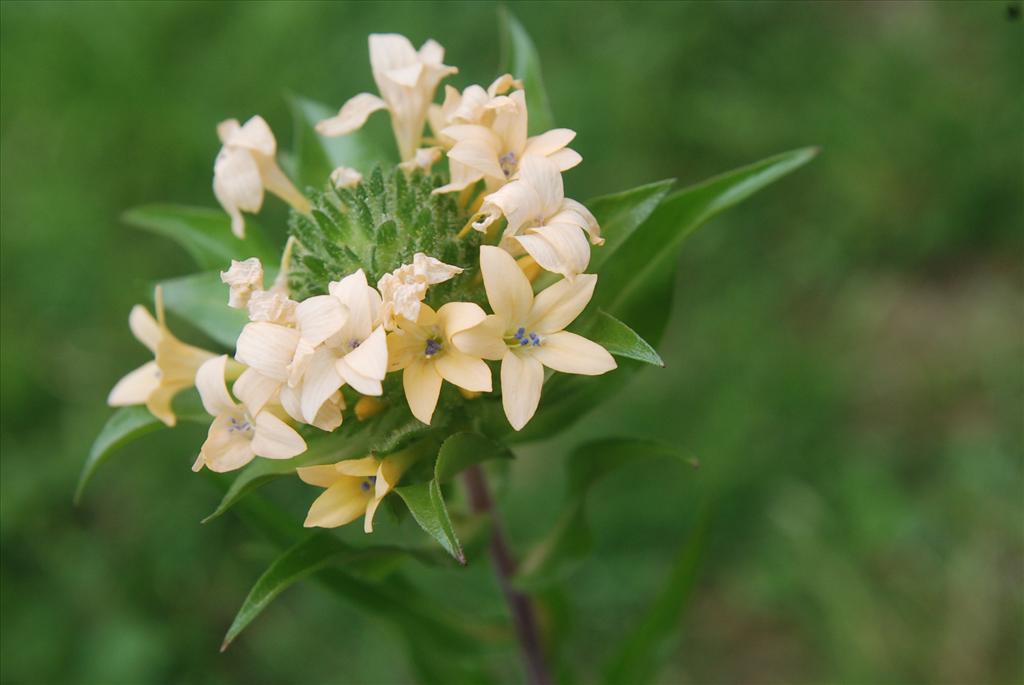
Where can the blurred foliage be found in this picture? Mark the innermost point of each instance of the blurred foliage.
(844, 353)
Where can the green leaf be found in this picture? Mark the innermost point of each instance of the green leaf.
(126, 425)
(327, 449)
(462, 450)
(428, 509)
(569, 542)
(204, 233)
(637, 660)
(202, 300)
(519, 58)
(306, 557)
(620, 214)
(641, 261)
(621, 340)
(315, 156)
(643, 272)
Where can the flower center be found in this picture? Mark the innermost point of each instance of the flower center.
(432, 347)
(524, 338)
(239, 425)
(353, 344)
(368, 483)
(508, 162)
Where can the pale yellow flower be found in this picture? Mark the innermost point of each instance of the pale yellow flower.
(341, 342)
(354, 488)
(242, 278)
(238, 434)
(425, 159)
(527, 333)
(346, 177)
(467, 107)
(174, 368)
(494, 153)
(246, 166)
(553, 229)
(424, 351)
(403, 289)
(406, 80)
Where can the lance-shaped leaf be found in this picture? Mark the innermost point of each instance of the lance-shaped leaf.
(643, 271)
(619, 215)
(315, 157)
(311, 555)
(128, 424)
(569, 542)
(636, 661)
(204, 233)
(427, 507)
(462, 450)
(520, 58)
(621, 340)
(305, 558)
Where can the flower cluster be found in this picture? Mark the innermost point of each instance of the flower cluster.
(300, 361)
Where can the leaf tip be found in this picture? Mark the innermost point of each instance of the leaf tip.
(224, 645)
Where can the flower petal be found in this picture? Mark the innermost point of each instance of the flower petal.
(508, 289)
(363, 304)
(566, 159)
(320, 317)
(541, 174)
(212, 388)
(571, 353)
(360, 383)
(320, 381)
(521, 379)
(422, 385)
(458, 316)
(268, 348)
(549, 142)
(275, 439)
(351, 116)
(237, 184)
(339, 504)
(159, 402)
(477, 155)
(559, 248)
(254, 390)
(323, 476)
(559, 304)
(367, 466)
(136, 386)
(144, 327)
(484, 340)
(255, 135)
(517, 201)
(469, 373)
(370, 359)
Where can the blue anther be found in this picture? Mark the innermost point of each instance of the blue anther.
(432, 348)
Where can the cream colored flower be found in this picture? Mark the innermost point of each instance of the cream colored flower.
(355, 488)
(467, 107)
(553, 229)
(242, 279)
(237, 433)
(495, 152)
(425, 159)
(346, 177)
(404, 288)
(424, 351)
(341, 342)
(406, 80)
(174, 368)
(246, 166)
(526, 333)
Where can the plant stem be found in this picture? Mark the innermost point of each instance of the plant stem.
(519, 605)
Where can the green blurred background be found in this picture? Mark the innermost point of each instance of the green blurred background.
(844, 356)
